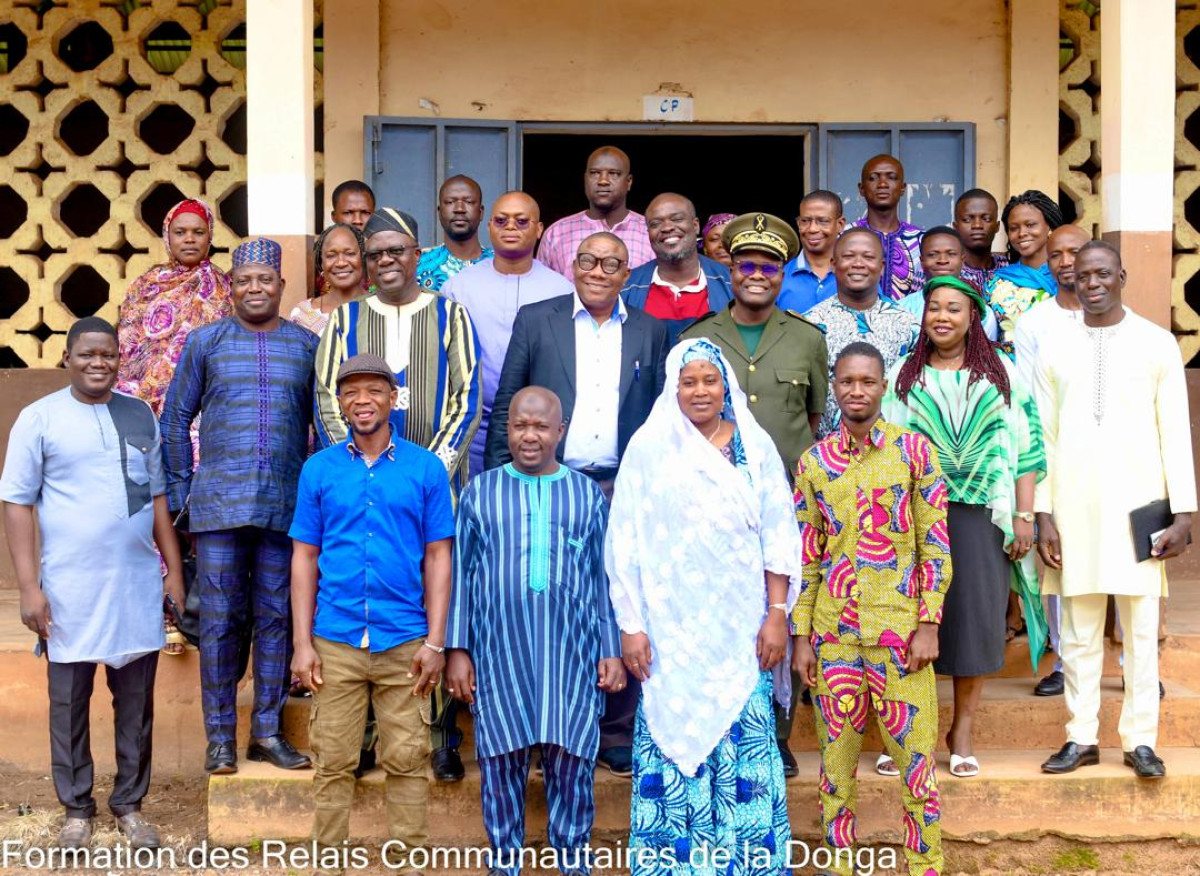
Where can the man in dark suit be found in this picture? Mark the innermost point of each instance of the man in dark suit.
(607, 362)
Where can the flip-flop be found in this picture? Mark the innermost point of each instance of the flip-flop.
(885, 766)
(964, 767)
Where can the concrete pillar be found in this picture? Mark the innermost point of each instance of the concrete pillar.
(1033, 98)
(352, 78)
(1137, 142)
(279, 158)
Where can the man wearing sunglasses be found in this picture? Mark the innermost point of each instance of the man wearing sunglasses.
(779, 358)
(427, 340)
(606, 361)
(496, 288)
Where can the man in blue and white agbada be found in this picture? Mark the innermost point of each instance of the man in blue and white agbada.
(533, 646)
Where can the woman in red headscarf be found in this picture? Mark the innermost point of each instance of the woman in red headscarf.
(160, 308)
(164, 304)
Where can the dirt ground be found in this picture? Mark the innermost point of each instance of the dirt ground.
(29, 816)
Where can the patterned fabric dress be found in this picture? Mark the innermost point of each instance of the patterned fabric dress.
(984, 446)
(438, 264)
(159, 310)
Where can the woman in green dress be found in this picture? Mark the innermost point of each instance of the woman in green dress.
(954, 389)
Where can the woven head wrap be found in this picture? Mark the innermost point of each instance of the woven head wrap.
(260, 251)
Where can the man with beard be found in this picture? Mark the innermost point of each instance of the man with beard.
(679, 285)
(459, 210)
(495, 289)
(606, 182)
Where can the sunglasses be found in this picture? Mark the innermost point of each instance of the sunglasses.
(749, 269)
(394, 252)
(609, 265)
(522, 222)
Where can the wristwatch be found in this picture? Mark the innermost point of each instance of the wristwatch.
(1027, 516)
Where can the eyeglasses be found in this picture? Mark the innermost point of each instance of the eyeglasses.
(394, 252)
(818, 221)
(522, 222)
(609, 265)
(749, 269)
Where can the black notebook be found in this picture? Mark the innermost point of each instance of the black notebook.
(1146, 523)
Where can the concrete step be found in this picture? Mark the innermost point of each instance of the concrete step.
(1010, 798)
(1008, 713)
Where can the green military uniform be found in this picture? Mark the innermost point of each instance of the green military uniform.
(786, 378)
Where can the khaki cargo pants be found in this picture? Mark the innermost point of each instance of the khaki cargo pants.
(336, 723)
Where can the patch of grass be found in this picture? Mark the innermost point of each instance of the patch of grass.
(1079, 858)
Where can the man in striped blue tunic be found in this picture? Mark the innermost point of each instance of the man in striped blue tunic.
(531, 641)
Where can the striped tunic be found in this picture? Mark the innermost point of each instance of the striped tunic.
(432, 348)
(530, 604)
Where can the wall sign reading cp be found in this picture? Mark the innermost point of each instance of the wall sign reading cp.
(667, 108)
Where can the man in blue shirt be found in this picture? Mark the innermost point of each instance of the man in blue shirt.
(372, 538)
(808, 278)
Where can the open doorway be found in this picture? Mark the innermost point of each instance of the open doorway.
(723, 169)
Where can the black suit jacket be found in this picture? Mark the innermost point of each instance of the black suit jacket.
(542, 353)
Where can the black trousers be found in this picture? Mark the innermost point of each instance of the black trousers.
(132, 688)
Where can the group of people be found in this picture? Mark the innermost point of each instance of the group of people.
(632, 497)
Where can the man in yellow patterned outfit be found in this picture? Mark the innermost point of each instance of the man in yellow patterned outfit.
(871, 503)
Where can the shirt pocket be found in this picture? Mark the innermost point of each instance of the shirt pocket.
(793, 390)
(567, 562)
(136, 449)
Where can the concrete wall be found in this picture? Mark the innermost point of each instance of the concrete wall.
(788, 61)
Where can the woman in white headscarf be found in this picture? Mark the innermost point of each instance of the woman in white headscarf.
(703, 558)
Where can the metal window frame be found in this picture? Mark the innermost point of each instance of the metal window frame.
(895, 129)
(373, 135)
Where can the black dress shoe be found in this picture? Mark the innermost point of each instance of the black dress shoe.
(791, 769)
(1050, 686)
(1145, 763)
(618, 759)
(1070, 757)
(220, 759)
(447, 765)
(278, 752)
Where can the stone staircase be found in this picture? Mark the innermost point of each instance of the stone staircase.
(1011, 799)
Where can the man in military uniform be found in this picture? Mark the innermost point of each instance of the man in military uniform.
(780, 359)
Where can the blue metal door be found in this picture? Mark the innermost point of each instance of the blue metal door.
(938, 159)
(408, 159)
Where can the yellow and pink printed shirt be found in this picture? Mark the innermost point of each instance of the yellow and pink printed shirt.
(876, 547)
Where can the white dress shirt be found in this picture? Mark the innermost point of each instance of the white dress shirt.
(592, 436)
